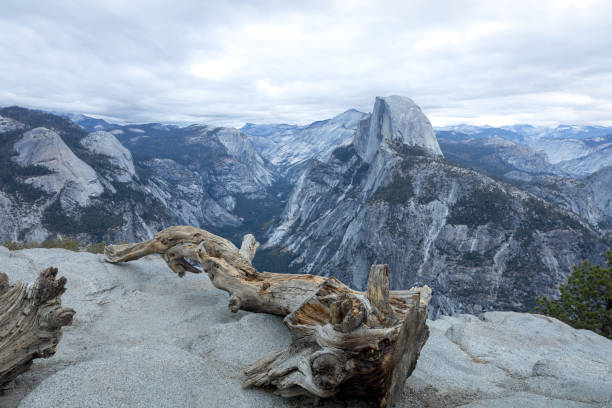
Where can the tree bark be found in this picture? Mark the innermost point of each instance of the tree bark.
(344, 342)
(31, 319)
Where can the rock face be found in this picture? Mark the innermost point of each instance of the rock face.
(182, 190)
(58, 179)
(44, 147)
(589, 163)
(480, 244)
(239, 170)
(575, 151)
(565, 172)
(575, 195)
(9, 125)
(120, 159)
(600, 183)
(395, 121)
(496, 156)
(591, 197)
(289, 147)
(208, 177)
(577, 157)
(388, 196)
(144, 337)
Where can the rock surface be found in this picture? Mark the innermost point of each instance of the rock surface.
(8, 124)
(574, 150)
(63, 180)
(495, 156)
(206, 176)
(120, 158)
(57, 179)
(508, 359)
(589, 164)
(143, 337)
(585, 192)
(395, 121)
(69, 174)
(289, 147)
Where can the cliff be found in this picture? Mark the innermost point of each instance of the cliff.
(390, 196)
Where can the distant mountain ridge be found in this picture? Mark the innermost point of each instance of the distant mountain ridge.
(456, 210)
(211, 176)
(559, 170)
(58, 179)
(527, 132)
(479, 243)
(289, 147)
(88, 123)
(573, 150)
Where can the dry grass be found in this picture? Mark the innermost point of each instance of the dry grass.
(64, 243)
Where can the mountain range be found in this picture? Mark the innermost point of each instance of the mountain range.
(488, 217)
(390, 196)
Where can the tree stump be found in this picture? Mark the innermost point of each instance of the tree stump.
(31, 319)
(344, 342)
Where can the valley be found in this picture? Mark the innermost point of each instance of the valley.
(488, 217)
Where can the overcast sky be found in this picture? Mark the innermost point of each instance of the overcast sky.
(480, 62)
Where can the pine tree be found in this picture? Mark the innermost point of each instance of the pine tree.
(586, 299)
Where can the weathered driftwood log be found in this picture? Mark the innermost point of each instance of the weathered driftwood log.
(344, 342)
(31, 319)
(228, 268)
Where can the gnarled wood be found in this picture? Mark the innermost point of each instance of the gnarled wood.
(344, 342)
(227, 268)
(249, 247)
(4, 283)
(378, 290)
(31, 319)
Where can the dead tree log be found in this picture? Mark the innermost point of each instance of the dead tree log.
(31, 319)
(344, 342)
(228, 268)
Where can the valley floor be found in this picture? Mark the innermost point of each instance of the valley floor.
(142, 337)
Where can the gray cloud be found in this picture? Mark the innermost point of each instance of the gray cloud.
(499, 62)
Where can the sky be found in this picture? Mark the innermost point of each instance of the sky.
(227, 63)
